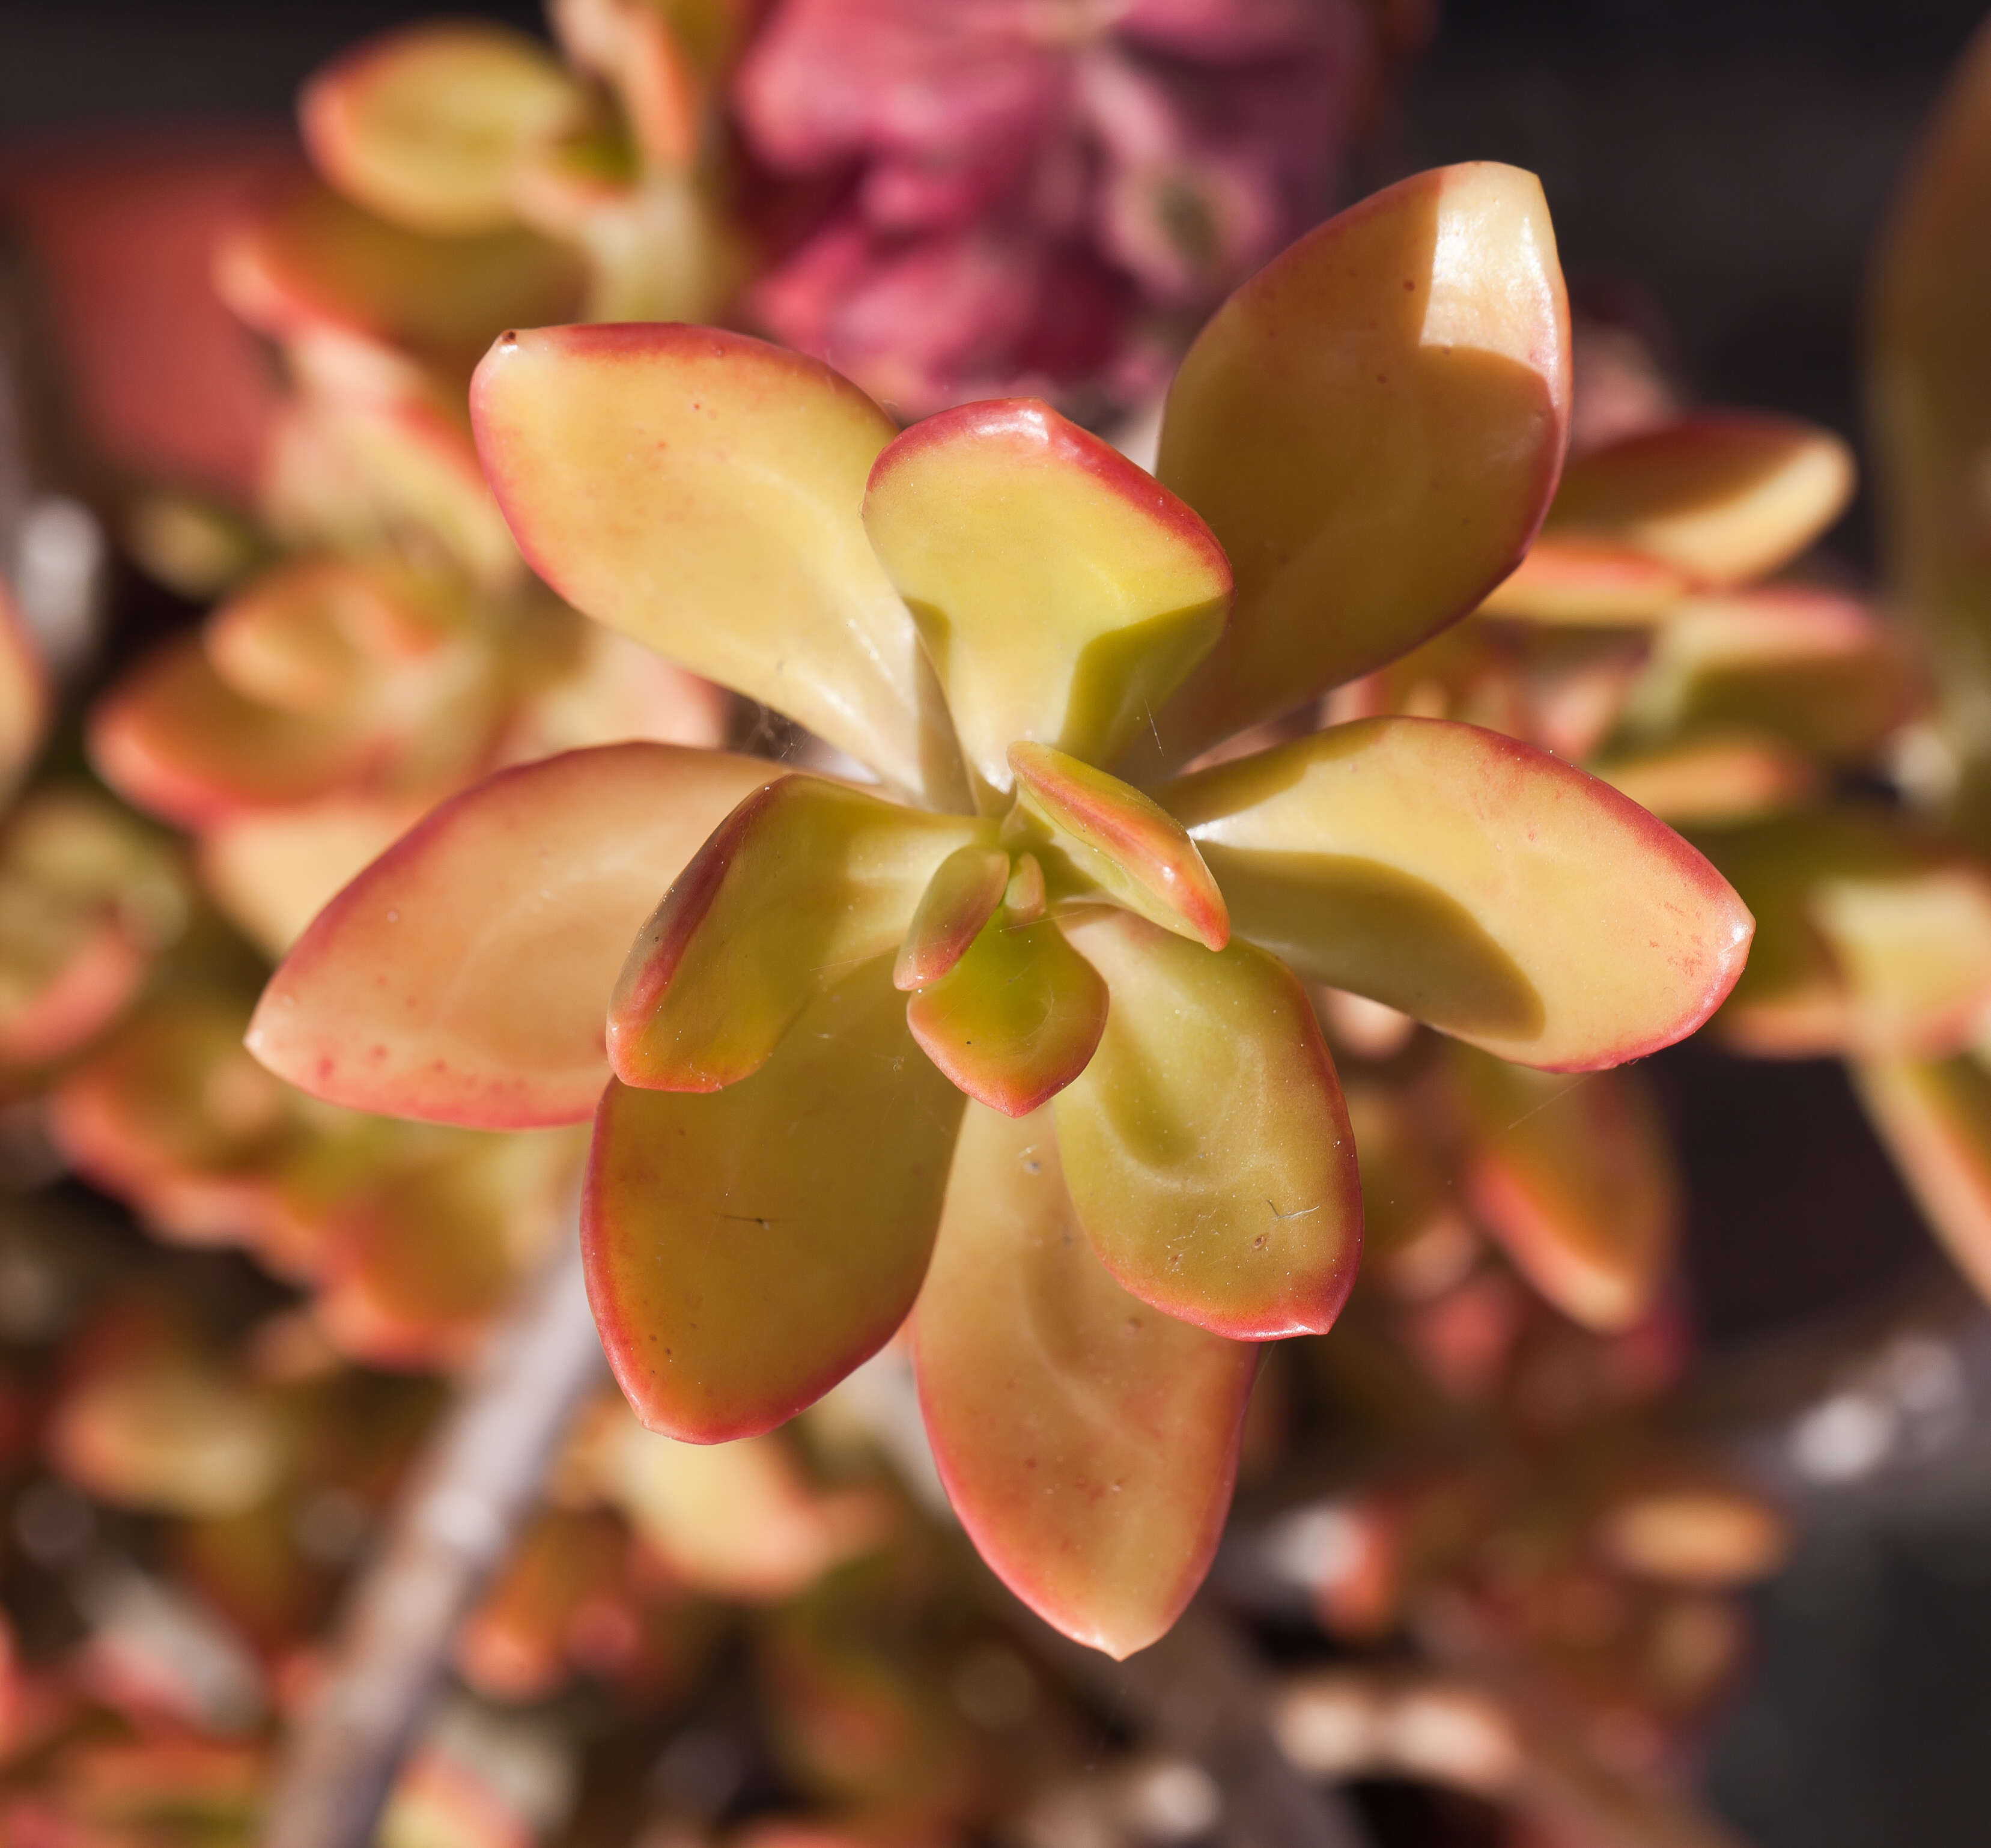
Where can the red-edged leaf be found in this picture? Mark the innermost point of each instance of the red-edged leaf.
(464, 977)
(1206, 1146)
(747, 1247)
(1474, 882)
(1087, 1443)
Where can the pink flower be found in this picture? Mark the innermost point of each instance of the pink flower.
(1041, 195)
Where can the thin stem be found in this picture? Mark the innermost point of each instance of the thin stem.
(453, 1528)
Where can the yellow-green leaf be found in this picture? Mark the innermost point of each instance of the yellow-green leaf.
(1473, 881)
(703, 492)
(1062, 593)
(1373, 426)
(1087, 1442)
(747, 1247)
(1206, 1146)
(804, 881)
(464, 976)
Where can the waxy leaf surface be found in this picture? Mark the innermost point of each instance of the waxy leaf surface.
(1087, 1442)
(747, 1247)
(1062, 593)
(1205, 1145)
(1474, 883)
(1016, 1020)
(804, 880)
(464, 976)
(1567, 578)
(1934, 1117)
(428, 126)
(703, 491)
(1103, 833)
(1722, 497)
(1571, 1174)
(1373, 426)
(960, 898)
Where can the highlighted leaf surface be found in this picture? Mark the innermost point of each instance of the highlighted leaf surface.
(703, 492)
(1373, 426)
(1062, 592)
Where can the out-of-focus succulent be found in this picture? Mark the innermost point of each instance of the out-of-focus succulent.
(1045, 199)
(1022, 635)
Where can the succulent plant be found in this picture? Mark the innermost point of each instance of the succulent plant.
(1030, 988)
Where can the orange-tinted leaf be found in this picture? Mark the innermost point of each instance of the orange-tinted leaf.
(1935, 1119)
(1572, 1175)
(1062, 593)
(314, 262)
(24, 693)
(1206, 1146)
(1087, 1443)
(805, 880)
(1373, 426)
(176, 739)
(747, 1247)
(1874, 938)
(1016, 1020)
(1567, 578)
(427, 125)
(703, 491)
(960, 898)
(1803, 665)
(1106, 835)
(1474, 882)
(1722, 497)
(1712, 780)
(464, 976)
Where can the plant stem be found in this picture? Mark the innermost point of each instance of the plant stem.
(452, 1529)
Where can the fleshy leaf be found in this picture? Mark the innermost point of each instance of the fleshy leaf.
(1474, 882)
(1930, 395)
(803, 881)
(703, 492)
(1206, 1146)
(24, 693)
(313, 262)
(1087, 1443)
(747, 1247)
(1800, 665)
(1935, 1119)
(1373, 426)
(1571, 1175)
(1567, 578)
(175, 739)
(1873, 938)
(462, 977)
(1016, 1020)
(1062, 593)
(427, 126)
(1712, 780)
(1722, 497)
(960, 898)
(1105, 835)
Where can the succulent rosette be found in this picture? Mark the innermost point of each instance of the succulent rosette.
(1018, 1031)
